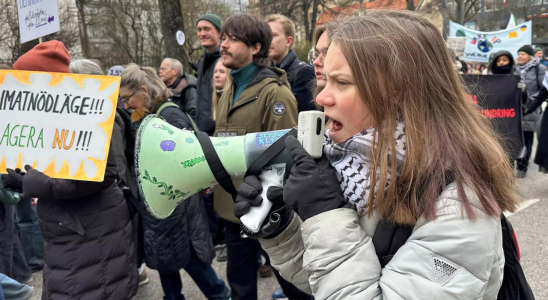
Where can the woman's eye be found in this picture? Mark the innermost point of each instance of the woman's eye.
(342, 82)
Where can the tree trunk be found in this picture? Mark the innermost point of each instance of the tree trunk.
(410, 5)
(83, 28)
(314, 17)
(172, 20)
(306, 7)
(461, 6)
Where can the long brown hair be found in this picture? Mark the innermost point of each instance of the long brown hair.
(403, 71)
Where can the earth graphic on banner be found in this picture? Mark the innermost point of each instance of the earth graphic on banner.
(485, 46)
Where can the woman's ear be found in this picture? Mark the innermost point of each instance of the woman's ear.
(144, 89)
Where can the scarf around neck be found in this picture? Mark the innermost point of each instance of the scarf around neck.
(139, 114)
(351, 161)
(530, 64)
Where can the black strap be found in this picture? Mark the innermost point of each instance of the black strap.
(274, 149)
(215, 165)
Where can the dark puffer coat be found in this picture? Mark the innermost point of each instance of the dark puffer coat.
(89, 253)
(167, 242)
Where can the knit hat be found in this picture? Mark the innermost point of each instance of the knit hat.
(538, 49)
(527, 49)
(51, 56)
(213, 19)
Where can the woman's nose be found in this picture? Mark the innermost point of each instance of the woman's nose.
(325, 98)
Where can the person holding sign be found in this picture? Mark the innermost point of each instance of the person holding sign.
(89, 252)
(532, 73)
(181, 241)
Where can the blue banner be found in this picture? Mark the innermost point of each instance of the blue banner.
(480, 45)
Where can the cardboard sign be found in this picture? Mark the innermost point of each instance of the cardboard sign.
(60, 124)
(480, 45)
(500, 100)
(37, 18)
(457, 44)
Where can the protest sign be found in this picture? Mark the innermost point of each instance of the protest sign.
(457, 44)
(37, 18)
(499, 99)
(115, 71)
(60, 124)
(180, 37)
(480, 45)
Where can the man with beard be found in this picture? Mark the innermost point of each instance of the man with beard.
(259, 99)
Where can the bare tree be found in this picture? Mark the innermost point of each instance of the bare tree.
(171, 18)
(460, 11)
(11, 48)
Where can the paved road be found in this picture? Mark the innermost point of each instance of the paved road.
(530, 223)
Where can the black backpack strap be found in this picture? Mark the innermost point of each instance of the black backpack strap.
(269, 154)
(218, 170)
(388, 238)
(215, 165)
(514, 284)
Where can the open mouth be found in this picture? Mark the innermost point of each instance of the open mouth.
(336, 127)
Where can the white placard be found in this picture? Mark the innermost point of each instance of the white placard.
(180, 37)
(457, 44)
(60, 124)
(37, 18)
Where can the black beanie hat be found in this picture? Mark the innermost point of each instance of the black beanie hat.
(527, 49)
(213, 19)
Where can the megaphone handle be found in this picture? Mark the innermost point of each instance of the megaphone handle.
(257, 214)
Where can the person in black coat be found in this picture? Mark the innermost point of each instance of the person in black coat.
(208, 28)
(541, 157)
(89, 253)
(181, 241)
(299, 74)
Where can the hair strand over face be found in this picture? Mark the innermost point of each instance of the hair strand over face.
(404, 72)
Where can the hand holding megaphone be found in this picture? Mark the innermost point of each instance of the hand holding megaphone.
(253, 204)
(171, 164)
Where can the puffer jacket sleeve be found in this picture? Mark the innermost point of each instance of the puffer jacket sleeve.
(39, 185)
(191, 97)
(439, 261)
(286, 255)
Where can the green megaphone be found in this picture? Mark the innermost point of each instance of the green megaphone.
(171, 165)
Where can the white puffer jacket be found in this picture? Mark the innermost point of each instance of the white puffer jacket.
(332, 256)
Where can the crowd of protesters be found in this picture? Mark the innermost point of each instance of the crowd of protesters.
(93, 239)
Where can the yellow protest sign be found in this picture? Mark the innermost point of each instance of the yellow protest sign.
(60, 124)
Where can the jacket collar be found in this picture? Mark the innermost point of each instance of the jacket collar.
(213, 55)
(176, 83)
(288, 60)
(244, 75)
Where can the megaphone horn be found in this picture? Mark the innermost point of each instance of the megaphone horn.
(171, 166)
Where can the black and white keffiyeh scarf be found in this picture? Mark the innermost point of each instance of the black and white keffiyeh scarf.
(351, 160)
(530, 64)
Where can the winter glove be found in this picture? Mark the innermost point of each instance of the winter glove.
(13, 180)
(249, 195)
(312, 187)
